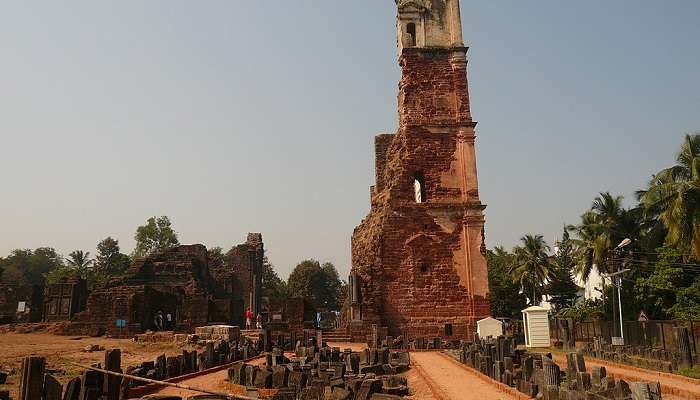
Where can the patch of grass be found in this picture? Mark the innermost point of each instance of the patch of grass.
(690, 372)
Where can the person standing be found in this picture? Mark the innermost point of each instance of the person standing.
(248, 319)
(258, 322)
(159, 320)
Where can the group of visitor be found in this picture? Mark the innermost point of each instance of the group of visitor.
(249, 320)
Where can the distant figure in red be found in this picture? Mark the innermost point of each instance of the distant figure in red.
(248, 319)
(258, 323)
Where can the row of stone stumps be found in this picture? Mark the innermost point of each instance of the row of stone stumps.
(38, 384)
(327, 373)
(536, 375)
(665, 360)
(215, 353)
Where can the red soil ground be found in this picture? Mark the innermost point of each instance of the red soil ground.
(59, 349)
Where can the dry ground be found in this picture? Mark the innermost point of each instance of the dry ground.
(58, 349)
(432, 375)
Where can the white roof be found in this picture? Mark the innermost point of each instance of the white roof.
(535, 308)
(488, 319)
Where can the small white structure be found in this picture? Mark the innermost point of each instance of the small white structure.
(536, 326)
(489, 327)
(593, 286)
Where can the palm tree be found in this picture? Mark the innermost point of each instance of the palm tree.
(605, 225)
(532, 268)
(80, 261)
(674, 197)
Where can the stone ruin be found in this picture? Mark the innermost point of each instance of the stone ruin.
(537, 376)
(312, 372)
(11, 296)
(175, 290)
(55, 302)
(418, 258)
(323, 373)
(64, 299)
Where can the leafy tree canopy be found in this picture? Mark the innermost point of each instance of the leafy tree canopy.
(561, 289)
(78, 264)
(656, 293)
(320, 284)
(585, 310)
(155, 236)
(29, 267)
(109, 262)
(673, 197)
(531, 267)
(506, 298)
(273, 288)
(216, 257)
(687, 306)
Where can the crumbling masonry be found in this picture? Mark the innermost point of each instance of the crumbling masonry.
(182, 285)
(418, 257)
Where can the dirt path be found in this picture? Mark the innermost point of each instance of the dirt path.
(450, 381)
(672, 387)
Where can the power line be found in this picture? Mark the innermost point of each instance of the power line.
(688, 265)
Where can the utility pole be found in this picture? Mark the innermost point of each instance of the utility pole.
(618, 285)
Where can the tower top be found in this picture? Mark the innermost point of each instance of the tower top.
(429, 23)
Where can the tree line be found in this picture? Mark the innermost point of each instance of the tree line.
(662, 257)
(320, 283)
(44, 265)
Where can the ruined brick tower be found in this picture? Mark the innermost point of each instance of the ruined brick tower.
(418, 257)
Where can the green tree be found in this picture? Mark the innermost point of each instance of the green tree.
(273, 288)
(601, 229)
(306, 280)
(320, 284)
(585, 310)
(29, 267)
(531, 268)
(109, 261)
(561, 289)
(331, 288)
(505, 295)
(59, 273)
(673, 196)
(687, 306)
(656, 293)
(155, 236)
(216, 257)
(80, 262)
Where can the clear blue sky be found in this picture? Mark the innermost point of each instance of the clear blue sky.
(233, 116)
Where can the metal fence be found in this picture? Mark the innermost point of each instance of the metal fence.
(656, 334)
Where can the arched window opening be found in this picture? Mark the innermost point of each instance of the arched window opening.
(424, 269)
(411, 31)
(419, 187)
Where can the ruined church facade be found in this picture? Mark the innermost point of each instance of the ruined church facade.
(418, 258)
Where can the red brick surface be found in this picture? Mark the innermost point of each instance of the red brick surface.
(421, 265)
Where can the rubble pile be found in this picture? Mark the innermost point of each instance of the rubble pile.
(214, 354)
(217, 332)
(318, 373)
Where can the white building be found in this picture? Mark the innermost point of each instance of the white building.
(593, 287)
